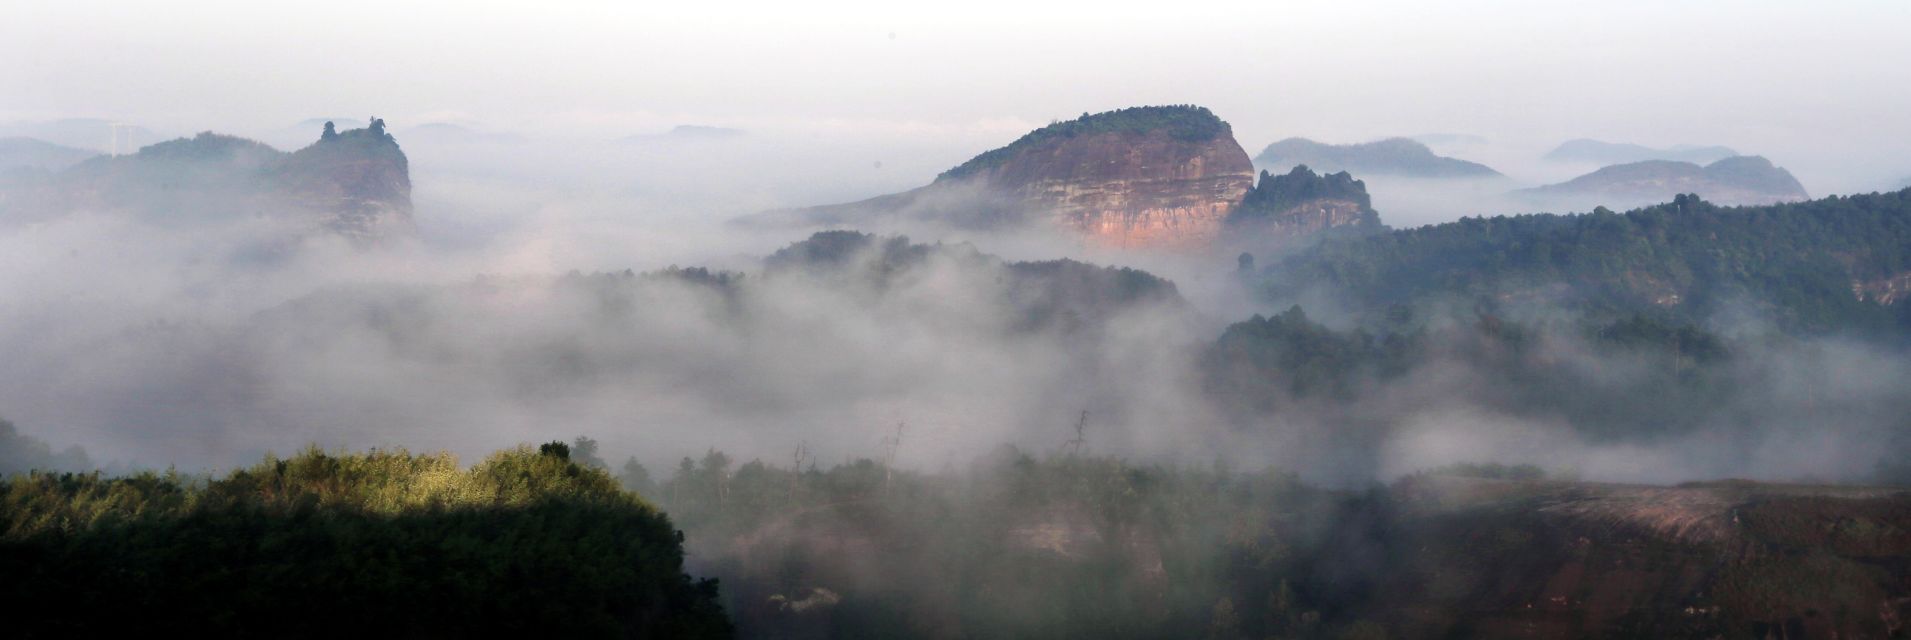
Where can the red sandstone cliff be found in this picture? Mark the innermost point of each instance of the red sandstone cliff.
(1150, 178)
(1126, 189)
(1141, 178)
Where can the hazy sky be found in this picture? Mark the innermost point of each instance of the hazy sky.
(1817, 85)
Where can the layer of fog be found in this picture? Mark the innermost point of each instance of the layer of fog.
(207, 347)
(157, 345)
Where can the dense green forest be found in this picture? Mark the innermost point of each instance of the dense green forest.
(1064, 543)
(1809, 268)
(1059, 545)
(1069, 544)
(321, 544)
(1639, 378)
(1065, 295)
(1184, 122)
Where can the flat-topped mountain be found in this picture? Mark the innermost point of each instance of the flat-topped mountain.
(354, 182)
(1143, 177)
(1739, 180)
(1607, 153)
(1401, 157)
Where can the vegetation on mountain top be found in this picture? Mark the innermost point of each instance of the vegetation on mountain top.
(1188, 123)
(1275, 194)
(1801, 265)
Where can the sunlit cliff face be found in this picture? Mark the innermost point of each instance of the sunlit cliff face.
(1131, 190)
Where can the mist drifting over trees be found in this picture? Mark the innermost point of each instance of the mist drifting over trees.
(975, 322)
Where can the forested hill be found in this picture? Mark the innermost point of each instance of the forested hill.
(386, 543)
(1838, 264)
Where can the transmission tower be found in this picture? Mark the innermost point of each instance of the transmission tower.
(1078, 444)
(116, 129)
(890, 445)
(801, 455)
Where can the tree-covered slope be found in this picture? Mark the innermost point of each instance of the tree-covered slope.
(386, 543)
(354, 182)
(1834, 264)
(1738, 180)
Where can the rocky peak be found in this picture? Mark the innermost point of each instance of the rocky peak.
(356, 183)
(1144, 177)
(1302, 202)
(359, 177)
(1147, 178)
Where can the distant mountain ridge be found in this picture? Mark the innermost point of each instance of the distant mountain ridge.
(1401, 157)
(32, 153)
(1739, 180)
(356, 183)
(1437, 139)
(92, 134)
(1607, 153)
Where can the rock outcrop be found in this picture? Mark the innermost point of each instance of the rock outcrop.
(1739, 180)
(1142, 178)
(1398, 157)
(1886, 291)
(1137, 178)
(359, 180)
(356, 183)
(1302, 203)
